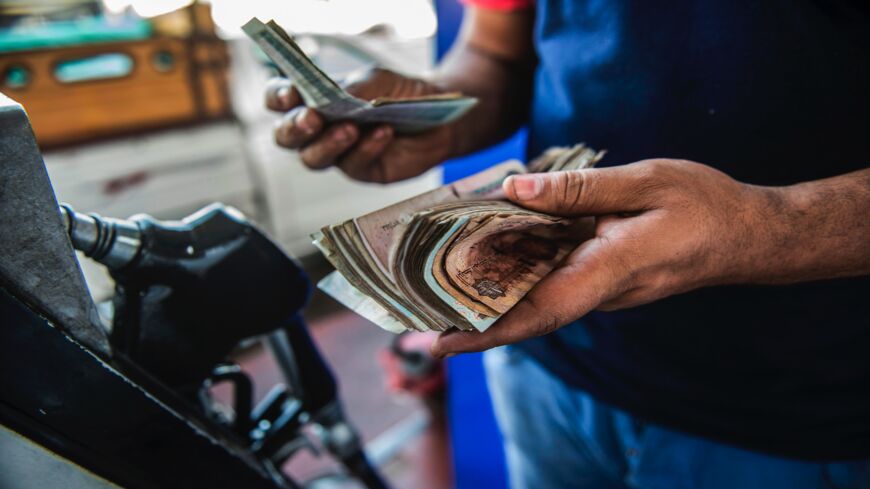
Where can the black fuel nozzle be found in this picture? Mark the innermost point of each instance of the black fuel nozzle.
(187, 292)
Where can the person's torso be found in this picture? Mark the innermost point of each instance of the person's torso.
(771, 93)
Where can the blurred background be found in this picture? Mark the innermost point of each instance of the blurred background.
(156, 107)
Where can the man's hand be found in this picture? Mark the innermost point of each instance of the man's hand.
(662, 227)
(492, 60)
(372, 154)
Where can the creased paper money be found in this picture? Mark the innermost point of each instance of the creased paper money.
(319, 91)
(457, 256)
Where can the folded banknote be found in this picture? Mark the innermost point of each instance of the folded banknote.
(457, 256)
(319, 91)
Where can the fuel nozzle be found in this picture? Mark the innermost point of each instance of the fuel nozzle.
(113, 242)
(187, 291)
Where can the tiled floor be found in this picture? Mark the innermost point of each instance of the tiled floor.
(350, 344)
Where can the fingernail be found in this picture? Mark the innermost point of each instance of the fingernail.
(343, 134)
(381, 133)
(284, 96)
(303, 122)
(449, 355)
(526, 187)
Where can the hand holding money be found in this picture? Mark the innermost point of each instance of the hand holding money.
(383, 127)
(662, 227)
(456, 257)
(372, 154)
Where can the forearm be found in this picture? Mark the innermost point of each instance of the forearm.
(811, 231)
(492, 60)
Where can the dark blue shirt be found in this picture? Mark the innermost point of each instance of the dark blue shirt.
(772, 93)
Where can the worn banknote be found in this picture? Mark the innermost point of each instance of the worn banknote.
(458, 256)
(319, 91)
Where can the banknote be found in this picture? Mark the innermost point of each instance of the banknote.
(381, 227)
(458, 256)
(366, 243)
(319, 91)
(560, 158)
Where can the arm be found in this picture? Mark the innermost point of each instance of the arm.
(815, 230)
(663, 227)
(492, 60)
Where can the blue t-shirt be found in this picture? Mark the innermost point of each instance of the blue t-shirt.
(772, 93)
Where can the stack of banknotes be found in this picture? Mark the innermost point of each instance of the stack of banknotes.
(319, 91)
(457, 256)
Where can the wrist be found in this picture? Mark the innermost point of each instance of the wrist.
(766, 234)
(808, 231)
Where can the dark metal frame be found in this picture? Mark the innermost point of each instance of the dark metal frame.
(61, 385)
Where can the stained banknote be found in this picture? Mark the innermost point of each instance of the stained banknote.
(458, 256)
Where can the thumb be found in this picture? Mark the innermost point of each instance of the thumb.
(579, 192)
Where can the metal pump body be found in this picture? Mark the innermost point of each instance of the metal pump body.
(131, 404)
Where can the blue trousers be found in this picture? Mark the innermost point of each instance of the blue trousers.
(557, 437)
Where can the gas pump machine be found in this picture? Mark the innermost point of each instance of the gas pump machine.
(88, 404)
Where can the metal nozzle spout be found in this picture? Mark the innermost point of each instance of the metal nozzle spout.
(112, 242)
